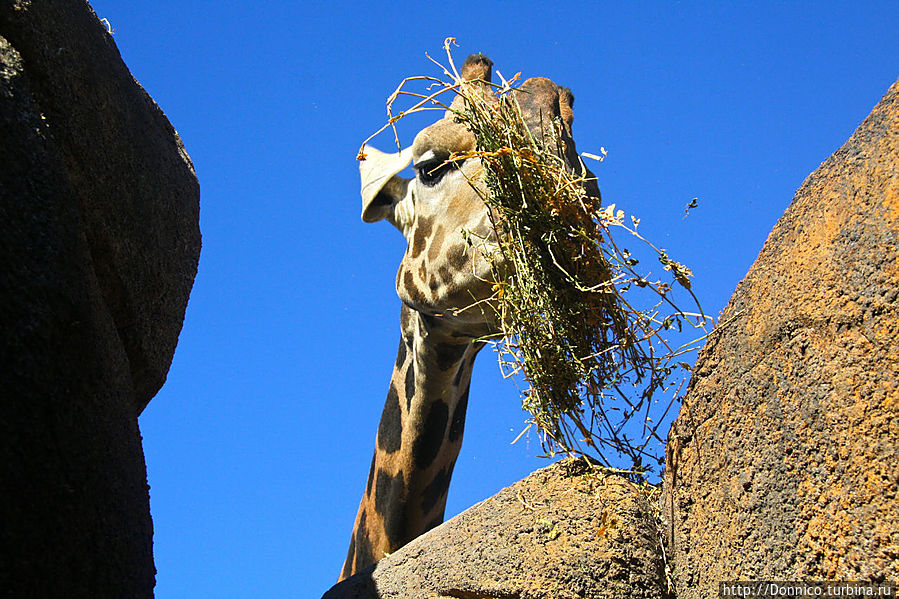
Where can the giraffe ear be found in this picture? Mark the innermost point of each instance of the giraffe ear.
(382, 190)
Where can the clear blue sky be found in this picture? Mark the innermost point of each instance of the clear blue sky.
(259, 444)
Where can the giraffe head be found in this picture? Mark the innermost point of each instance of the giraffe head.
(447, 226)
(443, 273)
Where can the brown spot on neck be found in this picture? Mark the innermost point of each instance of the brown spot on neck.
(420, 236)
(435, 243)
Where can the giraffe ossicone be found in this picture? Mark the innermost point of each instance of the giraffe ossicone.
(443, 281)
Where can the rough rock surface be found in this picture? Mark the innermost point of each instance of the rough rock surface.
(784, 463)
(99, 242)
(561, 533)
(135, 185)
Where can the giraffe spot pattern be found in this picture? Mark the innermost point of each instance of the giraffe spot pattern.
(361, 544)
(401, 354)
(437, 521)
(457, 257)
(436, 489)
(449, 354)
(390, 429)
(484, 228)
(420, 239)
(410, 385)
(434, 284)
(350, 556)
(459, 372)
(406, 314)
(445, 274)
(371, 476)
(427, 444)
(436, 243)
(412, 291)
(457, 426)
(389, 492)
(390, 503)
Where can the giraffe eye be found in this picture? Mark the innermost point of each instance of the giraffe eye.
(430, 172)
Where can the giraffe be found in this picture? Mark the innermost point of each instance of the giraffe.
(440, 276)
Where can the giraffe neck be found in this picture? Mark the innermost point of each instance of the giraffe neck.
(419, 438)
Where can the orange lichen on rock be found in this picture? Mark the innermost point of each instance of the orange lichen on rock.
(782, 464)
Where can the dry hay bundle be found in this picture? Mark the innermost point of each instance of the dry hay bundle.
(593, 362)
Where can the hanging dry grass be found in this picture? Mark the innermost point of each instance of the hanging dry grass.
(593, 362)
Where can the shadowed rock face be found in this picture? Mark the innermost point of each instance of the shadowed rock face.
(560, 533)
(136, 190)
(99, 242)
(784, 462)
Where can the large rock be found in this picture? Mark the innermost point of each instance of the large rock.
(99, 242)
(564, 532)
(136, 188)
(784, 463)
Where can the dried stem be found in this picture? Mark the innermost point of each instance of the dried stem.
(593, 362)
